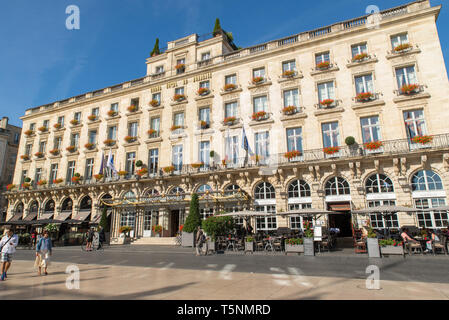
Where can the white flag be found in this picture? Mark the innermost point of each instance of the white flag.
(110, 163)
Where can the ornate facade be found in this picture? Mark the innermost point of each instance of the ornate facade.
(342, 117)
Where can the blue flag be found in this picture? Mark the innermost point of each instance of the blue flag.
(102, 163)
(245, 144)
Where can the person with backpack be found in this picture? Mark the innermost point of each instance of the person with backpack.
(200, 240)
(8, 246)
(43, 253)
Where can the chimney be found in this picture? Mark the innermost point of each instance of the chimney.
(4, 123)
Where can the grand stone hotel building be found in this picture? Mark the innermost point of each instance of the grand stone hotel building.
(345, 80)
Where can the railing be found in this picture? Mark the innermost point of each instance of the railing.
(117, 87)
(320, 32)
(137, 82)
(204, 63)
(159, 75)
(98, 93)
(287, 41)
(258, 48)
(354, 23)
(394, 12)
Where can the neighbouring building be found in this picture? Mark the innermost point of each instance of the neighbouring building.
(9, 147)
(378, 81)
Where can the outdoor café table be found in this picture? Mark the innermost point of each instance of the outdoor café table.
(231, 243)
(422, 241)
(269, 243)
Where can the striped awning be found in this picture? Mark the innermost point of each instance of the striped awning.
(46, 216)
(16, 217)
(31, 216)
(64, 215)
(82, 216)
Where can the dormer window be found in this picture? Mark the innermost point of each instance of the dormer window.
(205, 56)
(180, 66)
(159, 70)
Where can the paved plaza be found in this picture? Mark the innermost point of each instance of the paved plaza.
(167, 272)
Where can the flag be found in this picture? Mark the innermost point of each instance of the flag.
(245, 144)
(102, 163)
(110, 163)
(227, 146)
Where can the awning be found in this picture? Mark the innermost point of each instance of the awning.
(82, 215)
(306, 211)
(42, 222)
(64, 215)
(31, 216)
(97, 218)
(246, 213)
(46, 216)
(385, 209)
(16, 217)
(340, 207)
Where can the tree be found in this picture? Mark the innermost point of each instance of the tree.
(156, 50)
(104, 220)
(217, 27)
(193, 219)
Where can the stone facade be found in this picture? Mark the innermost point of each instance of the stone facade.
(189, 64)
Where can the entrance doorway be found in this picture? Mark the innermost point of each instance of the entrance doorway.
(341, 219)
(173, 223)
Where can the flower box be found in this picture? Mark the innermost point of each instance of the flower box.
(25, 157)
(422, 139)
(142, 172)
(373, 145)
(229, 120)
(42, 183)
(10, 187)
(292, 154)
(180, 66)
(74, 122)
(289, 73)
(327, 102)
(130, 139)
(331, 150)
(132, 108)
(258, 80)
(402, 47)
(76, 179)
(57, 126)
(92, 117)
(112, 113)
(294, 248)
(98, 177)
(360, 57)
(197, 165)
(89, 146)
(261, 115)
(71, 148)
(57, 181)
(122, 173)
(152, 133)
(54, 152)
(289, 110)
(203, 91)
(390, 249)
(154, 103)
(26, 185)
(204, 124)
(29, 133)
(109, 142)
(229, 87)
(39, 155)
(43, 129)
(409, 89)
(179, 97)
(168, 169)
(364, 96)
(175, 127)
(323, 65)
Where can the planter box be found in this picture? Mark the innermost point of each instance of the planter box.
(249, 246)
(373, 248)
(309, 247)
(387, 250)
(294, 248)
(187, 239)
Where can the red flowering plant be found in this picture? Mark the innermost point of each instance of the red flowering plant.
(168, 169)
(181, 227)
(230, 87)
(132, 108)
(292, 154)
(288, 73)
(373, 145)
(157, 229)
(57, 126)
(308, 233)
(10, 187)
(203, 91)
(390, 242)
(142, 172)
(229, 120)
(26, 185)
(42, 182)
(364, 96)
(323, 65)
(152, 132)
(257, 80)
(25, 157)
(422, 139)
(57, 181)
(203, 124)
(98, 176)
(109, 142)
(92, 117)
(74, 122)
(76, 179)
(402, 47)
(175, 127)
(130, 139)
(409, 88)
(360, 57)
(112, 113)
(89, 146)
(197, 165)
(260, 115)
(331, 150)
(289, 110)
(180, 66)
(179, 97)
(154, 103)
(42, 129)
(39, 154)
(29, 132)
(54, 152)
(71, 148)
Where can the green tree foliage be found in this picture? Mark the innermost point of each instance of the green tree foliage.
(104, 220)
(217, 27)
(156, 49)
(193, 219)
(218, 226)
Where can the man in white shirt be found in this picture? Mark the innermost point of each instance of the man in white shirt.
(8, 246)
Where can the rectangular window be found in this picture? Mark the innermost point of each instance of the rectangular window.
(153, 160)
(114, 107)
(378, 221)
(179, 62)
(231, 109)
(364, 84)
(28, 148)
(46, 123)
(23, 176)
(96, 112)
(326, 91)
(159, 69)
(61, 121)
(57, 143)
(70, 171)
(260, 72)
(289, 66)
(179, 90)
(415, 124)
(155, 124)
(132, 129)
(331, 136)
(89, 169)
(74, 140)
(206, 213)
(112, 133)
(157, 97)
(266, 223)
(130, 162)
(398, 40)
(77, 116)
(135, 102)
(53, 173)
(179, 119)
(406, 76)
(231, 79)
(93, 136)
(431, 219)
(370, 129)
(232, 150)
(322, 57)
(262, 146)
(204, 150)
(16, 138)
(294, 139)
(32, 126)
(205, 84)
(204, 115)
(42, 146)
(38, 175)
(177, 157)
(358, 49)
(205, 56)
(291, 98)
(260, 104)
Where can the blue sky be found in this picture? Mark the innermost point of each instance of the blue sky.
(42, 62)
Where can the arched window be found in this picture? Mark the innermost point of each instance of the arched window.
(50, 206)
(130, 195)
(231, 189)
(426, 180)
(86, 203)
(336, 186)
(203, 188)
(176, 190)
(298, 189)
(152, 193)
(34, 207)
(378, 183)
(264, 190)
(19, 208)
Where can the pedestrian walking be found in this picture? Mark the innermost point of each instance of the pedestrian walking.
(90, 238)
(8, 246)
(101, 238)
(200, 240)
(43, 253)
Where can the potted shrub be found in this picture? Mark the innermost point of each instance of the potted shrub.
(203, 91)
(331, 150)
(109, 142)
(71, 148)
(57, 126)
(74, 122)
(229, 87)
(192, 222)
(364, 96)
(373, 145)
(294, 245)
(92, 117)
(217, 226)
(257, 80)
(402, 47)
(350, 141)
(360, 57)
(422, 139)
(43, 129)
(309, 248)
(292, 154)
(260, 115)
(323, 65)
(168, 169)
(39, 154)
(249, 244)
(25, 157)
(132, 108)
(112, 113)
(154, 103)
(10, 187)
(390, 246)
(179, 97)
(408, 89)
(212, 155)
(139, 163)
(130, 139)
(372, 244)
(89, 146)
(157, 230)
(29, 133)
(54, 152)
(288, 73)
(327, 102)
